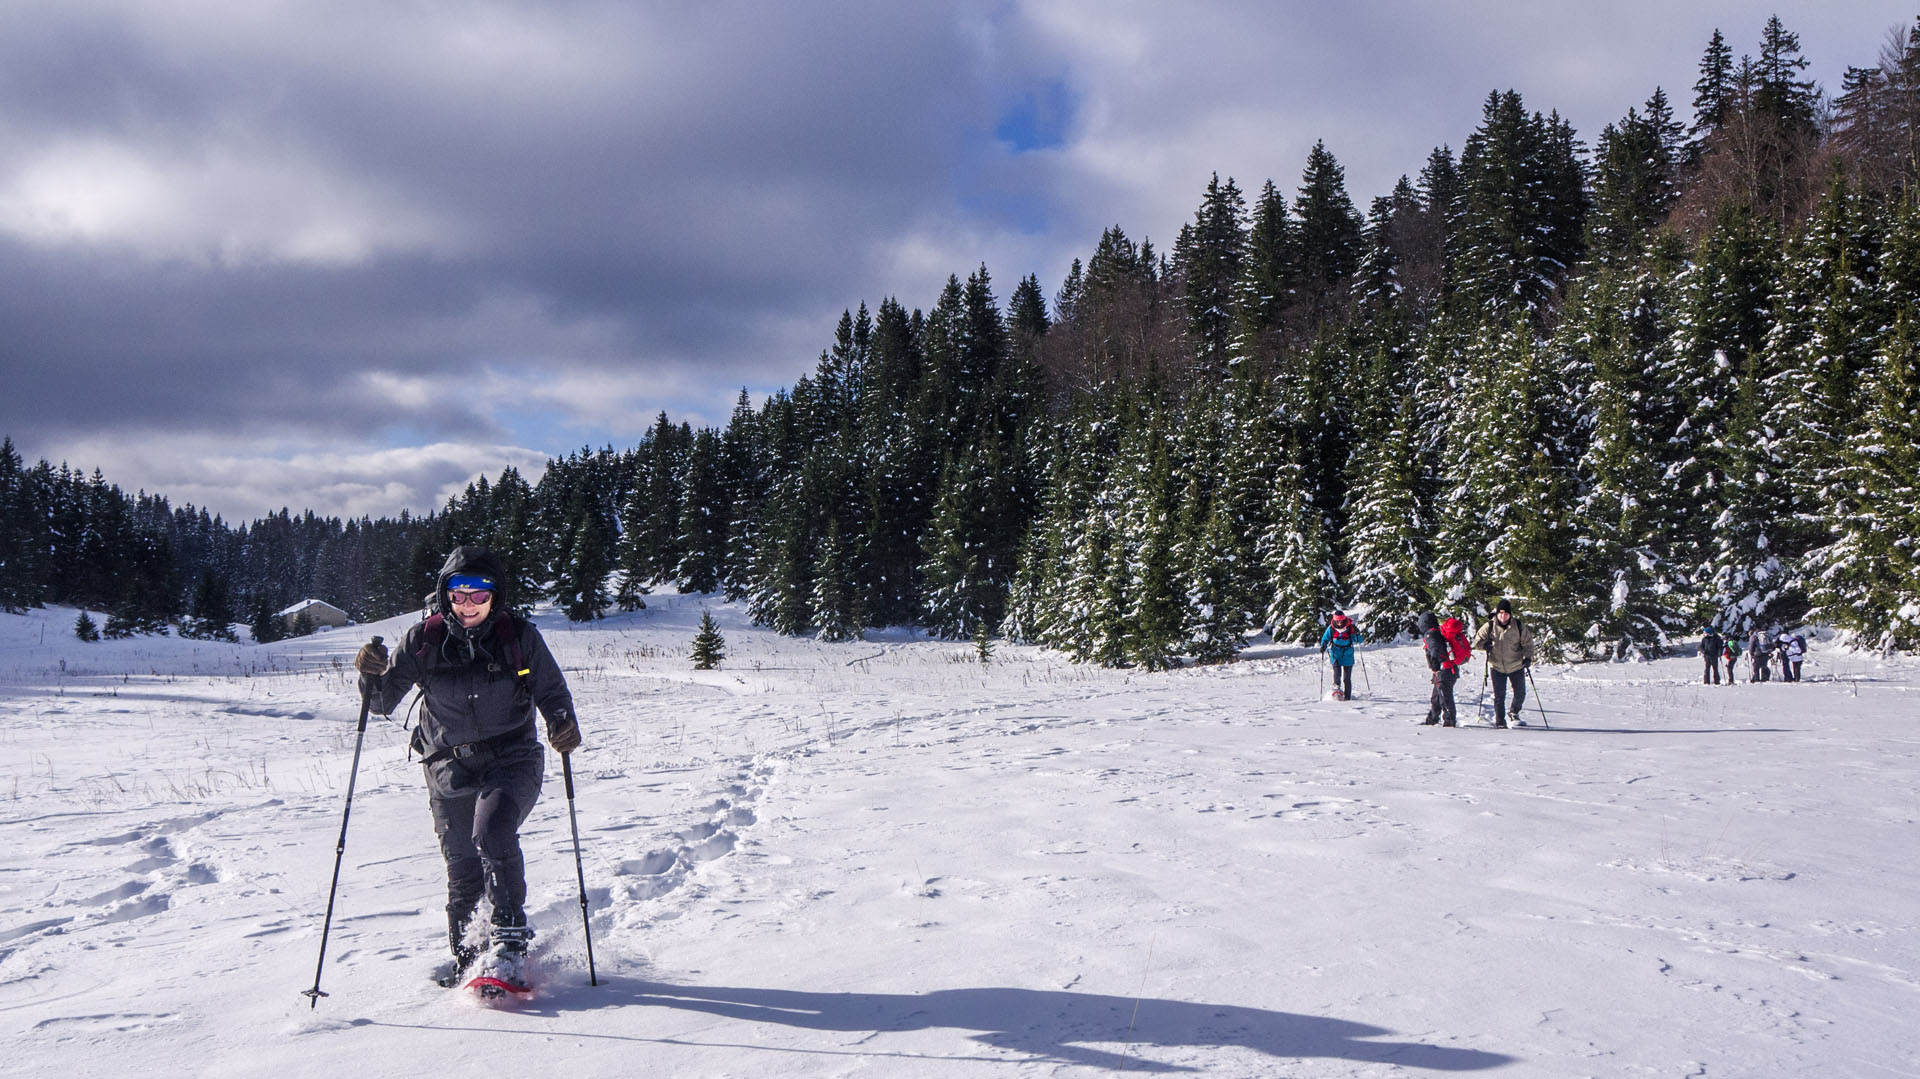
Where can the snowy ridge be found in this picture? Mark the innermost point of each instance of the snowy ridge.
(882, 859)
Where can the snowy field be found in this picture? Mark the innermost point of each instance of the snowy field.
(881, 859)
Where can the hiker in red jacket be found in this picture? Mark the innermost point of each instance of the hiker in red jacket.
(1446, 647)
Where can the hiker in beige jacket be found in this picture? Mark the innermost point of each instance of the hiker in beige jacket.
(1508, 645)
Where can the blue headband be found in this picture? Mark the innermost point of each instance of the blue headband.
(470, 580)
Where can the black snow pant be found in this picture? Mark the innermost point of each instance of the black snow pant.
(1713, 671)
(1761, 668)
(1343, 680)
(1440, 709)
(1500, 680)
(479, 803)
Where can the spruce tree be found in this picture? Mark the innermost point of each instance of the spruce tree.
(1329, 235)
(709, 647)
(1210, 260)
(836, 602)
(581, 586)
(84, 628)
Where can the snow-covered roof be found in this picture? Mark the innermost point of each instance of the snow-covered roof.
(308, 605)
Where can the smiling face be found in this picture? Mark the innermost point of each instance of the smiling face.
(470, 605)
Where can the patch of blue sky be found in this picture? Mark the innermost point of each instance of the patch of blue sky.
(1039, 120)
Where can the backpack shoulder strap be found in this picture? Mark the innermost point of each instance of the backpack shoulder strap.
(507, 632)
(433, 633)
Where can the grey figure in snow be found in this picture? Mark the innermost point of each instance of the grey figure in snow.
(482, 672)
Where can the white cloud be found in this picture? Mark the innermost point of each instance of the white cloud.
(241, 479)
(227, 203)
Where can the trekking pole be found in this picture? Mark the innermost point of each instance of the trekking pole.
(1536, 697)
(340, 851)
(566, 769)
(1364, 677)
(1323, 680)
(1480, 706)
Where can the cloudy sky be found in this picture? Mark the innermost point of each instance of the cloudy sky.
(347, 255)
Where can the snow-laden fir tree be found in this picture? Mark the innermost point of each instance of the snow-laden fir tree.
(1625, 577)
(1388, 532)
(836, 599)
(709, 647)
(1868, 578)
(1149, 578)
(1297, 558)
(1830, 322)
(581, 587)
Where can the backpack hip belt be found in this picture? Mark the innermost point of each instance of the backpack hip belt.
(468, 749)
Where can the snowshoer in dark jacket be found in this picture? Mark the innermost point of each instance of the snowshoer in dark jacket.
(1446, 671)
(1508, 645)
(1336, 643)
(1711, 645)
(1758, 666)
(482, 672)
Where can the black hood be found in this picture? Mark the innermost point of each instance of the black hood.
(476, 560)
(1428, 622)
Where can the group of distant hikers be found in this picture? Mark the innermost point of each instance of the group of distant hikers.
(1505, 639)
(1508, 646)
(1762, 650)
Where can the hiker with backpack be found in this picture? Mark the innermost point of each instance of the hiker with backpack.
(482, 671)
(1711, 645)
(1446, 648)
(1508, 644)
(1336, 643)
(1730, 651)
(1758, 665)
(1792, 648)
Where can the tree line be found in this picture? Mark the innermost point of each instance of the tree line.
(1664, 381)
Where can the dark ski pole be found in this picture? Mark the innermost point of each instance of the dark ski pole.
(1480, 706)
(1364, 676)
(340, 851)
(1536, 698)
(579, 870)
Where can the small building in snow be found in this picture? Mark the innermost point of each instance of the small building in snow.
(319, 612)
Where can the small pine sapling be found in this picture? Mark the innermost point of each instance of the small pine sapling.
(709, 647)
(983, 644)
(84, 628)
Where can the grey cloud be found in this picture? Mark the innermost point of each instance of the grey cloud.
(325, 223)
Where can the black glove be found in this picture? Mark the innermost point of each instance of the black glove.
(372, 659)
(1323, 649)
(563, 734)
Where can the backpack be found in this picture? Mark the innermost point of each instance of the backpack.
(506, 632)
(1455, 636)
(1800, 643)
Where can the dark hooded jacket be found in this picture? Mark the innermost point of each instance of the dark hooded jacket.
(472, 688)
(1439, 653)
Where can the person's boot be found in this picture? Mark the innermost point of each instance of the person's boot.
(463, 953)
(506, 959)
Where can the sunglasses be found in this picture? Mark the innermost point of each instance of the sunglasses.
(473, 598)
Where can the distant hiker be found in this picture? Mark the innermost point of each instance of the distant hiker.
(1730, 651)
(1792, 648)
(1508, 644)
(1758, 661)
(1446, 647)
(1336, 643)
(481, 671)
(1711, 645)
